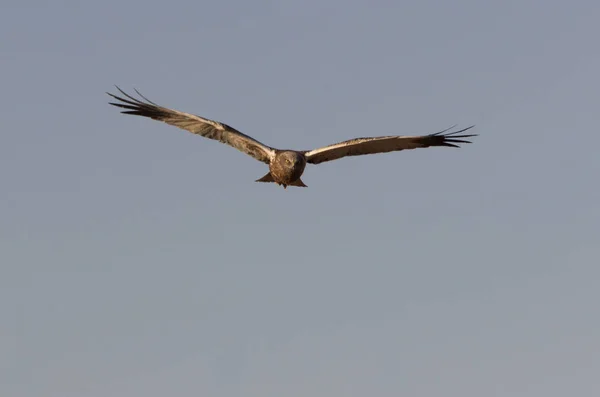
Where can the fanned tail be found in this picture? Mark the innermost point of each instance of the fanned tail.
(269, 178)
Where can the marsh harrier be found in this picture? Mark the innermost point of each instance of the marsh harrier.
(285, 166)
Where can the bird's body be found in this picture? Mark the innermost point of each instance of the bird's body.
(285, 166)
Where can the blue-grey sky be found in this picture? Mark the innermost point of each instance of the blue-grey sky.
(139, 259)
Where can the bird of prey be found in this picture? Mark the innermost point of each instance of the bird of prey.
(285, 166)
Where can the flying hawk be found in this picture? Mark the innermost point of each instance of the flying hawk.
(285, 166)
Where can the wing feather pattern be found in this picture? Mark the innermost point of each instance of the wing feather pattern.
(195, 124)
(384, 144)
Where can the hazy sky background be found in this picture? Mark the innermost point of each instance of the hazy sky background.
(141, 260)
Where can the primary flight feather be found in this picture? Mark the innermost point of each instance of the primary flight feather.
(285, 166)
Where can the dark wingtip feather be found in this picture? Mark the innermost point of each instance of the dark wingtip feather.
(449, 139)
(447, 129)
(457, 141)
(135, 106)
(147, 100)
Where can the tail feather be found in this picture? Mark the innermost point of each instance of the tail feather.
(266, 178)
(298, 183)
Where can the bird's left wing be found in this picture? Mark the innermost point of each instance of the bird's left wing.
(384, 144)
(195, 124)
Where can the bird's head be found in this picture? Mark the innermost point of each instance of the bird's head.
(291, 158)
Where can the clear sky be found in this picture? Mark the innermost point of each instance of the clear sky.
(137, 259)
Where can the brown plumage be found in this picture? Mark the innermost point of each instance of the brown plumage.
(285, 166)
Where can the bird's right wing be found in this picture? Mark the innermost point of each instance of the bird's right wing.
(196, 125)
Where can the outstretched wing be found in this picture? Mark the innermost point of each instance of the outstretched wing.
(196, 125)
(384, 144)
